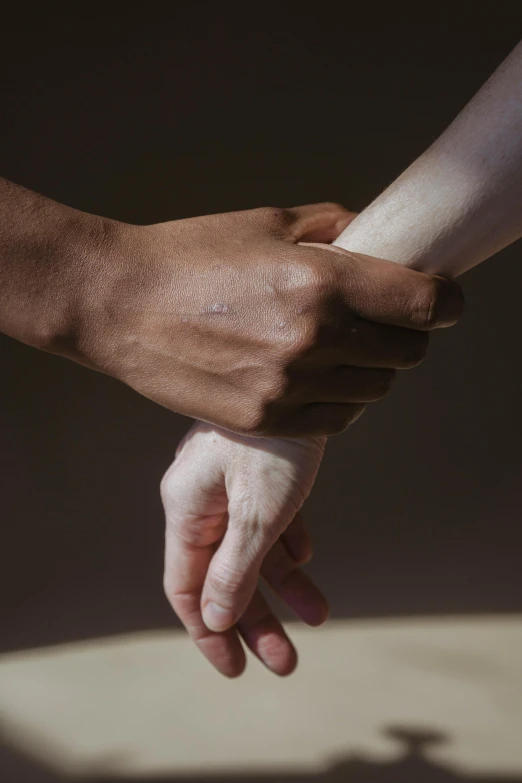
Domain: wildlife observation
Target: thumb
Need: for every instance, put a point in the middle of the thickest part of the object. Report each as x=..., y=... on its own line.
x=233, y=574
x=267, y=481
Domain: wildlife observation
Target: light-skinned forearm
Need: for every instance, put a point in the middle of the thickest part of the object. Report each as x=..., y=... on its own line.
x=461, y=201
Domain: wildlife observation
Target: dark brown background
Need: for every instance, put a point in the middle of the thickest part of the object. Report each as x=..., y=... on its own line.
x=417, y=510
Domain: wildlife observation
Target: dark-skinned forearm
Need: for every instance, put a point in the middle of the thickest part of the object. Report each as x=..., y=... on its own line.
x=46, y=251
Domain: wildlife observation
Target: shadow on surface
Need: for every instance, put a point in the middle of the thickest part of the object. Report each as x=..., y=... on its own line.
x=412, y=767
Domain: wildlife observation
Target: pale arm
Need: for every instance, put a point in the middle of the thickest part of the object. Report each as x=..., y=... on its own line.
x=461, y=201
x=454, y=207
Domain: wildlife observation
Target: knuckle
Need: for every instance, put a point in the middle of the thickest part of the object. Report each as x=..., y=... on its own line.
x=255, y=421
x=227, y=582
x=439, y=304
x=317, y=281
x=305, y=338
x=312, y=308
x=314, y=294
x=174, y=593
x=188, y=528
x=275, y=387
x=270, y=393
x=167, y=486
x=275, y=218
x=307, y=279
x=173, y=486
x=427, y=305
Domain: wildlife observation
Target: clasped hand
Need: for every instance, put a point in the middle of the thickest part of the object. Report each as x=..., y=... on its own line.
x=341, y=324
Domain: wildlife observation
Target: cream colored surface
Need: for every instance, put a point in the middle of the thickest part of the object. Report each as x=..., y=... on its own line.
x=147, y=704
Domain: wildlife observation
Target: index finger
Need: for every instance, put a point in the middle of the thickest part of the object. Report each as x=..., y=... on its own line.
x=390, y=293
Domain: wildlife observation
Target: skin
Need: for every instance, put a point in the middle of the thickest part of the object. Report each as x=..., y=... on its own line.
x=231, y=502
x=224, y=318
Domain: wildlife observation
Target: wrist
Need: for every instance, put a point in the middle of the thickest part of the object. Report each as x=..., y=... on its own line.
x=96, y=253
x=48, y=253
x=104, y=303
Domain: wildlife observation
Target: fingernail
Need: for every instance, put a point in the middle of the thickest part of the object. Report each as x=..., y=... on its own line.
x=216, y=618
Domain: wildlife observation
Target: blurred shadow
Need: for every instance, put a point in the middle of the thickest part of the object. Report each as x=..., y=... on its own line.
x=412, y=767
